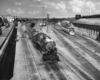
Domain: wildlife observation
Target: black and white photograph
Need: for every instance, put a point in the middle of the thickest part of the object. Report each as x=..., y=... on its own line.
x=49, y=39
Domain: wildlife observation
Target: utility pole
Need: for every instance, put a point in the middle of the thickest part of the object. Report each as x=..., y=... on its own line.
x=9, y=17
x=43, y=13
x=47, y=22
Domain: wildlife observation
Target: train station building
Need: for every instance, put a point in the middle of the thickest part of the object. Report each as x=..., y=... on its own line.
x=88, y=26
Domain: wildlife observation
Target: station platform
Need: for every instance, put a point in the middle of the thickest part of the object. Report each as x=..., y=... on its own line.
x=5, y=33
x=20, y=64
x=23, y=59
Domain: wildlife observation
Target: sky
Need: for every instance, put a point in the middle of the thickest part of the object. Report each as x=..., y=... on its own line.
x=55, y=8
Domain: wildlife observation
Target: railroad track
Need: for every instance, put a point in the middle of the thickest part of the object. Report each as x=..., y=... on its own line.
x=58, y=71
x=90, y=43
x=54, y=72
x=75, y=69
x=84, y=47
x=88, y=68
x=31, y=66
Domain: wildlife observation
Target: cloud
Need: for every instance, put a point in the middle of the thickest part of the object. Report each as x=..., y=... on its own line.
x=98, y=11
x=91, y=5
x=61, y=6
x=18, y=11
x=18, y=3
x=38, y=2
x=98, y=3
x=76, y=9
x=47, y=4
x=31, y=5
x=77, y=5
x=50, y=12
x=36, y=6
x=33, y=12
x=9, y=10
x=58, y=6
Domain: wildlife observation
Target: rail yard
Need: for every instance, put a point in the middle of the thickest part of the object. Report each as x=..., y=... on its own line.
x=20, y=59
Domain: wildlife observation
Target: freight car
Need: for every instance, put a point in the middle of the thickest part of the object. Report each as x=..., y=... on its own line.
x=46, y=46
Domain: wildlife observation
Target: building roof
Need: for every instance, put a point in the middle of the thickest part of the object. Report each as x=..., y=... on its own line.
x=89, y=21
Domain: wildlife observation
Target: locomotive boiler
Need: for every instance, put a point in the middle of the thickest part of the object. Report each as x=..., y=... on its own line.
x=46, y=46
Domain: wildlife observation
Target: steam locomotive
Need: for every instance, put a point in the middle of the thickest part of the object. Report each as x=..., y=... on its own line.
x=46, y=46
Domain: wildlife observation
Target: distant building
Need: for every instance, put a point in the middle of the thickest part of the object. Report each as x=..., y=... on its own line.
x=78, y=16
x=88, y=27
